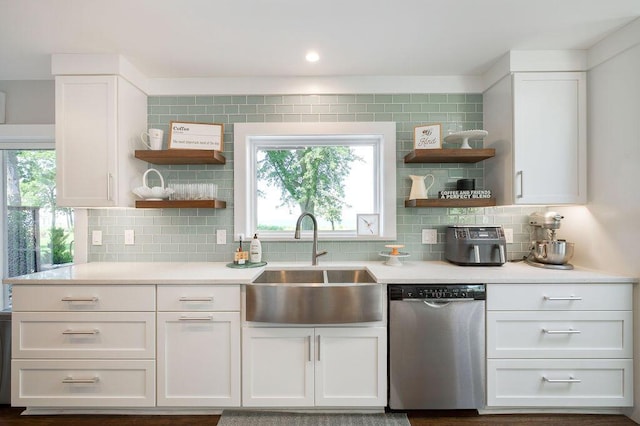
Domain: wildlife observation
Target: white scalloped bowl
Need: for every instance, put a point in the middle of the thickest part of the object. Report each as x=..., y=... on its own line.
x=155, y=193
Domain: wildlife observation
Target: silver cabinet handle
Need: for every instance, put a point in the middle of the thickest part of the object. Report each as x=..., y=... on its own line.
x=521, y=173
x=84, y=332
x=569, y=331
x=93, y=299
x=318, y=347
x=571, y=379
x=207, y=318
x=109, y=180
x=72, y=380
x=572, y=297
x=197, y=299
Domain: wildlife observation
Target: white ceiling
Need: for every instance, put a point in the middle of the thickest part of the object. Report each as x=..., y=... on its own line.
x=240, y=38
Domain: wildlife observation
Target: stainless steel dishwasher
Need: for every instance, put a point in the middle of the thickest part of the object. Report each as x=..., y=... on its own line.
x=436, y=346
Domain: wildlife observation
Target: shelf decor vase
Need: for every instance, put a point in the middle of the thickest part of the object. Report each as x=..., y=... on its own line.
x=419, y=189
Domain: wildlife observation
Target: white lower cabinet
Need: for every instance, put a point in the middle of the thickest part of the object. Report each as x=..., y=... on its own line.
x=199, y=359
x=76, y=346
x=322, y=366
x=556, y=346
x=83, y=383
x=560, y=383
x=198, y=346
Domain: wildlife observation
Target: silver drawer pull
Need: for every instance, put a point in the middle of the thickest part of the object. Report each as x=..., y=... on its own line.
x=569, y=331
x=75, y=381
x=569, y=380
x=84, y=332
x=197, y=299
x=207, y=318
x=80, y=299
x=563, y=298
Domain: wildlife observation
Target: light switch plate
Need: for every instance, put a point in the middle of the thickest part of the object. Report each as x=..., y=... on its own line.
x=429, y=236
x=508, y=235
x=129, y=237
x=221, y=236
x=96, y=238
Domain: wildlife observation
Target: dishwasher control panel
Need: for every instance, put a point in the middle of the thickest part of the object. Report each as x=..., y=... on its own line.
x=437, y=291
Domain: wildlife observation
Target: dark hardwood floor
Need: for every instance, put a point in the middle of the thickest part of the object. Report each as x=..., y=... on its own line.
x=11, y=417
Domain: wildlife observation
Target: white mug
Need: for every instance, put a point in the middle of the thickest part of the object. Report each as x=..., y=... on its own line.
x=155, y=139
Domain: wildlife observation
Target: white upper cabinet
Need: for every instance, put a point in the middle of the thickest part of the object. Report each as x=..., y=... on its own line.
x=537, y=125
x=99, y=120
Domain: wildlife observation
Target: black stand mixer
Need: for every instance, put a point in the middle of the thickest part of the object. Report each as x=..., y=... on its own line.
x=546, y=250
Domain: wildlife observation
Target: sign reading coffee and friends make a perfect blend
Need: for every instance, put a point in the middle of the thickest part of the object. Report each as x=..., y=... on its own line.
x=183, y=135
x=465, y=194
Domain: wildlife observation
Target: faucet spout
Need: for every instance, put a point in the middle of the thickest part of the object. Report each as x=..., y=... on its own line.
x=314, y=250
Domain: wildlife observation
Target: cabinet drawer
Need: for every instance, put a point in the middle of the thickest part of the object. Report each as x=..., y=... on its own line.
x=562, y=297
x=560, y=383
x=78, y=298
x=83, y=383
x=198, y=298
x=83, y=335
x=573, y=334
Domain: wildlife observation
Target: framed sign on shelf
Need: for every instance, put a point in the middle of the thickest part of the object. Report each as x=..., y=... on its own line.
x=427, y=137
x=186, y=135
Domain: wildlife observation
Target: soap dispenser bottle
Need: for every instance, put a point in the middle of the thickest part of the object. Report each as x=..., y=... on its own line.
x=255, y=250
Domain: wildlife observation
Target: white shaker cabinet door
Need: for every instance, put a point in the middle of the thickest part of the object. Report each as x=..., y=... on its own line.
x=99, y=120
x=549, y=115
x=537, y=125
x=277, y=367
x=86, y=131
x=351, y=367
x=198, y=359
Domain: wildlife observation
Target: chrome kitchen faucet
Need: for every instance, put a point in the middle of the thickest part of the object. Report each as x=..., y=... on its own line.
x=314, y=250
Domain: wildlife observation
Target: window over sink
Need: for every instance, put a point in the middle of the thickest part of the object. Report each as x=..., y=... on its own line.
x=337, y=171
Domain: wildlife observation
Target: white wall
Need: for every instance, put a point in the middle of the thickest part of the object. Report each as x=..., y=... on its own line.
x=607, y=230
x=29, y=101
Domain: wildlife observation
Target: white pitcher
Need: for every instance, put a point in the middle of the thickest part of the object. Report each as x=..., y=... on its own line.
x=418, y=187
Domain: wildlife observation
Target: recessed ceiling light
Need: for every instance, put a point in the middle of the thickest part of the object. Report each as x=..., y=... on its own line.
x=312, y=56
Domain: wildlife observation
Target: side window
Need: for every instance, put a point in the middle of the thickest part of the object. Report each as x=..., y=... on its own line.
x=336, y=171
x=38, y=234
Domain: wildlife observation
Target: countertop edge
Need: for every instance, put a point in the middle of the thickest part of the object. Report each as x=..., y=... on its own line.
x=216, y=273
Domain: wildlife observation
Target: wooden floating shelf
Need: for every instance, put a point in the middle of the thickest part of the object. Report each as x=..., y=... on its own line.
x=181, y=204
x=449, y=155
x=447, y=202
x=181, y=156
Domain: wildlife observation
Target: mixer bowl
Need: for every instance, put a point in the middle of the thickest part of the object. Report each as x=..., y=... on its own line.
x=555, y=252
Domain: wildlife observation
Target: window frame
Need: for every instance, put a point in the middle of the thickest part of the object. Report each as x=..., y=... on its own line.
x=248, y=137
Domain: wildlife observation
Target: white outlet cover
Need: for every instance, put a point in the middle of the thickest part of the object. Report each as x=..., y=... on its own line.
x=221, y=236
x=129, y=237
x=96, y=238
x=508, y=235
x=429, y=236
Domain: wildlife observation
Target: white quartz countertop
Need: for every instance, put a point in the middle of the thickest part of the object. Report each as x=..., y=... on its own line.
x=413, y=272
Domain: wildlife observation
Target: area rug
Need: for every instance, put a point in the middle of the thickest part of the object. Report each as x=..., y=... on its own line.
x=268, y=418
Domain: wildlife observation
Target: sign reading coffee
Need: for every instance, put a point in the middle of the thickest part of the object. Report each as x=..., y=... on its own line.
x=184, y=135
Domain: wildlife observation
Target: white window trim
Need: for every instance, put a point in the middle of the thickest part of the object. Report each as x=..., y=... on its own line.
x=247, y=135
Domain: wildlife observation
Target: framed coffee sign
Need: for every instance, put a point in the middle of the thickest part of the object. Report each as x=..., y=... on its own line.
x=185, y=135
x=427, y=137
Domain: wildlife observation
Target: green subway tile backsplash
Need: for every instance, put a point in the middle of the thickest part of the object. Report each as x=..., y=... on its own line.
x=190, y=234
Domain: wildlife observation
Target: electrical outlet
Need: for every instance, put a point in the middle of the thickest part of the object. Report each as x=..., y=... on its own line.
x=96, y=238
x=221, y=236
x=508, y=235
x=429, y=236
x=129, y=237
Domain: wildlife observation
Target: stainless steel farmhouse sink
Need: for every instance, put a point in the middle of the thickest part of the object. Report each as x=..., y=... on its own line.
x=314, y=297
